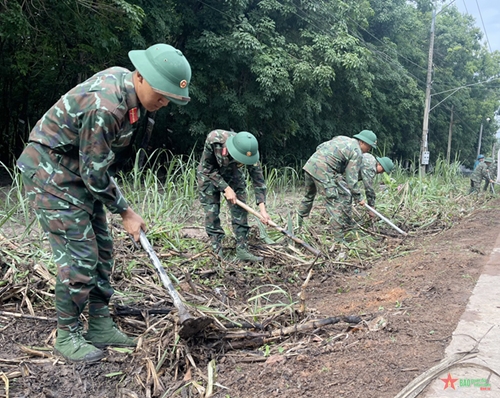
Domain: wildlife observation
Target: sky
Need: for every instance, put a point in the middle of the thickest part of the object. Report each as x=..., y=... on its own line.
x=489, y=10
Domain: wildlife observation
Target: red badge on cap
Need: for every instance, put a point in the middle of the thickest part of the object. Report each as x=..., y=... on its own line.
x=133, y=115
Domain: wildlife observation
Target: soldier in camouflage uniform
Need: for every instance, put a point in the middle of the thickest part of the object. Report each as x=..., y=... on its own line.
x=476, y=162
x=336, y=162
x=66, y=173
x=479, y=174
x=492, y=175
x=371, y=166
x=221, y=170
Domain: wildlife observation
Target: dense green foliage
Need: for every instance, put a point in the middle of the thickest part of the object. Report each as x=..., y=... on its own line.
x=294, y=73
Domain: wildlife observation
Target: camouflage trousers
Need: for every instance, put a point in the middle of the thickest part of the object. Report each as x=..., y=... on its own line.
x=83, y=252
x=210, y=198
x=338, y=203
x=488, y=187
x=475, y=186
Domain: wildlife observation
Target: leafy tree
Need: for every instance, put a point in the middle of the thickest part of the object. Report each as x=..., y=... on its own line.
x=47, y=47
x=293, y=72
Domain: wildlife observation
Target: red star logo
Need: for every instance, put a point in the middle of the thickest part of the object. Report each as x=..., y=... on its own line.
x=449, y=382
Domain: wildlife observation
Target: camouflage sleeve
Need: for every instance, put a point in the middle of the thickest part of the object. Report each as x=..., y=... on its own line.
x=210, y=167
x=368, y=176
x=259, y=185
x=96, y=136
x=475, y=176
x=485, y=173
x=352, y=173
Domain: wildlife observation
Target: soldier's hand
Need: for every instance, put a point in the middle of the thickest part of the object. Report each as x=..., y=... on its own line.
x=133, y=223
x=263, y=212
x=230, y=195
x=362, y=202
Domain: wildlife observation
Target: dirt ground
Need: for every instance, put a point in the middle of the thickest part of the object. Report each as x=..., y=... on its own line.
x=410, y=300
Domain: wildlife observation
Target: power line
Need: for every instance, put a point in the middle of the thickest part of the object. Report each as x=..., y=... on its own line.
x=446, y=6
x=464, y=124
x=374, y=52
x=484, y=27
x=231, y=17
x=465, y=5
x=468, y=85
x=309, y=21
x=384, y=44
x=381, y=55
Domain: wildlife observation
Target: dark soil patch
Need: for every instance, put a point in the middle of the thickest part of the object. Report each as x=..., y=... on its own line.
x=411, y=302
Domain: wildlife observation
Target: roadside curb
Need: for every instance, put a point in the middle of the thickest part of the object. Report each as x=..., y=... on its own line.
x=478, y=330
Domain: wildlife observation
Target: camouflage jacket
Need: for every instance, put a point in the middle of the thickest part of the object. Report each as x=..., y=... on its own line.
x=337, y=160
x=493, y=170
x=73, y=145
x=480, y=173
x=367, y=174
x=218, y=167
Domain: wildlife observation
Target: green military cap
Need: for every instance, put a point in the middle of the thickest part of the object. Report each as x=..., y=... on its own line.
x=386, y=164
x=166, y=70
x=243, y=147
x=367, y=136
x=488, y=160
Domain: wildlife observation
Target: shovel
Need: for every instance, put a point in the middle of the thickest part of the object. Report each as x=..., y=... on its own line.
x=314, y=251
x=190, y=325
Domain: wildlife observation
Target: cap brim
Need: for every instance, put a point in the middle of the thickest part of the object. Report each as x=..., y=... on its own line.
x=359, y=137
x=176, y=99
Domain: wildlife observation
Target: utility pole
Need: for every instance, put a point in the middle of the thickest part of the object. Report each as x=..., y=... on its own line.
x=448, y=152
x=424, y=149
x=480, y=138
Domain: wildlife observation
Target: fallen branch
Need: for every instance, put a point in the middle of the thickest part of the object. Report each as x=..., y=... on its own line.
x=243, y=325
x=415, y=387
x=44, y=273
x=311, y=325
x=17, y=315
x=122, y=310
x=193, y=258
x=187, y=275
x=9, y=243
x=256, y=338
x=5, y=380
x=302, y=295
x=33, y=352
x=294, y=258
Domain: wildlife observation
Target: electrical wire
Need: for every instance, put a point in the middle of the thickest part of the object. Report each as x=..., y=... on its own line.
x=384, y=57
x=465, y=5
x=385, y=45
x=484, y=27
x=374, y=52
x=311, y=22
x=446, y=6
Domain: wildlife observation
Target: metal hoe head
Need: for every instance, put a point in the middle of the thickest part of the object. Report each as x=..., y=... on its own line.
x=192, y=326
